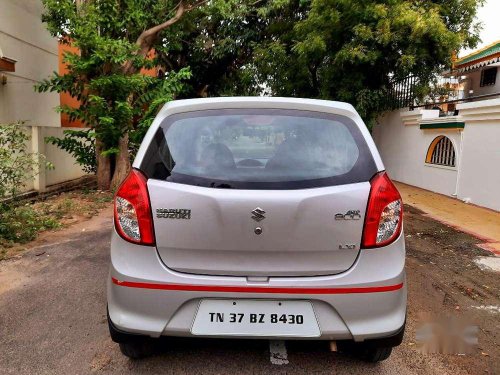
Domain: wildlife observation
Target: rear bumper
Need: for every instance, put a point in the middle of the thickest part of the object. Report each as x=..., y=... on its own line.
x=364, y=303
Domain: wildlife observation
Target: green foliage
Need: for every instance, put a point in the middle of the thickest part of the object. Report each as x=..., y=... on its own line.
x=105, y=73
x=350, y=50
x=17, y=164
x=159, y=93
x=216, y=42
x=22, y=221
x=329, y=49
x=206, y=48
x=21, y=224
x=79, y=144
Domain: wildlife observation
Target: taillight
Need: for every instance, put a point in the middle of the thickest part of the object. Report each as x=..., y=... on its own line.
x=384, y=214
x=133, y=219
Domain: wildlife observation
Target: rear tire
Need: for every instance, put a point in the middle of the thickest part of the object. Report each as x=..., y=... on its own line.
x=373, y=350
x=137, y=349
x=375, y=354
x=133, y=346
x=365, y=352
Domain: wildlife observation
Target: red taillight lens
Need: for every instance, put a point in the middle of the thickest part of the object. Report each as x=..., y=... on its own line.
x=384, y=214
x=133, y=219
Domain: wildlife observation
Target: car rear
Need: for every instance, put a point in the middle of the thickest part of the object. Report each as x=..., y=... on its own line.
x=258, y=218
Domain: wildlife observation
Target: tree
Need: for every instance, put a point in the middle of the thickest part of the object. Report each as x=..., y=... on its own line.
x=115, y=40
x=351, y=50
x=330, y=49
x=218, y=49
x=118, y=38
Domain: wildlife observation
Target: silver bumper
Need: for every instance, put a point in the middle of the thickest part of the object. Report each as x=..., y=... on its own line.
x=367, y=301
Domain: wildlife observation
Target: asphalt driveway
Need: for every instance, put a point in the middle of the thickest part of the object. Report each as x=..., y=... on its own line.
x=53, y=314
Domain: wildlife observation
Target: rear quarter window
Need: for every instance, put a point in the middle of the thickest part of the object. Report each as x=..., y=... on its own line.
x=258, y=149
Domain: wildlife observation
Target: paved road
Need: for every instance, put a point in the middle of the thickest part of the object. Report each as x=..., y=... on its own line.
x=52, y=319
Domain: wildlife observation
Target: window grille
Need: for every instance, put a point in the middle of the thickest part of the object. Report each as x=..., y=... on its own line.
x=443, y=152
x=488, y=77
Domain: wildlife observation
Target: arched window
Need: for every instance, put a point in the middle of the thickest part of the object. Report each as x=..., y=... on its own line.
x=441, y=152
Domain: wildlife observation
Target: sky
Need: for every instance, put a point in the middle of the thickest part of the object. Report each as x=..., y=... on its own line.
x=489, y=16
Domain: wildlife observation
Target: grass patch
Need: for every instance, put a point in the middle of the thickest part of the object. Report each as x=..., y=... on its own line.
x=21, y=223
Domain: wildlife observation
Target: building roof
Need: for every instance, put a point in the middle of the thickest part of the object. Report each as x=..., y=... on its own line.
x=487, y=55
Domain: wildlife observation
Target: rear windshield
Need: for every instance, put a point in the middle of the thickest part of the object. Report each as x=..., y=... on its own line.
x=259, y=149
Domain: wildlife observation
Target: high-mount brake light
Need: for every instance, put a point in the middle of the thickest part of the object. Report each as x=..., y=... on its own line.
x=384, y=214
x=132, y=212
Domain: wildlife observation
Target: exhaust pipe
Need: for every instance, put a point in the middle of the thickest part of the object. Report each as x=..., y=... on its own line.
x=333, y=346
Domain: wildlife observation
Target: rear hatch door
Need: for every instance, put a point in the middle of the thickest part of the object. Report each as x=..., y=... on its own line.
x=213, y=231
x=219, y=177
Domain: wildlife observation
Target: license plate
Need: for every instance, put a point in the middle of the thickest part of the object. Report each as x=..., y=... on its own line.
x=255, y=318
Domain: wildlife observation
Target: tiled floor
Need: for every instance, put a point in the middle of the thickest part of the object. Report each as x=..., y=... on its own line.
x=480, y=222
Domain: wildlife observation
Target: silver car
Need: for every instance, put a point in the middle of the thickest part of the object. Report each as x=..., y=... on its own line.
x=253, y=217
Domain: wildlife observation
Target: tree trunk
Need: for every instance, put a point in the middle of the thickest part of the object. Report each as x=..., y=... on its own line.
x=145, y=42
x=202, y=92
x=103, y=167
x=122, y=166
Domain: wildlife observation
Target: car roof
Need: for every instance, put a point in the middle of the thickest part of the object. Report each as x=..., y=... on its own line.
x=186, y=105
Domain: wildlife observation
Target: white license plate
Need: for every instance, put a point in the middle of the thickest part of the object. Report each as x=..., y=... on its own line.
x=255, y=318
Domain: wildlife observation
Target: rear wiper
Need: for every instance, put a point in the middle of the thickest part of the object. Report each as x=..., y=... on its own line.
x=221, y=186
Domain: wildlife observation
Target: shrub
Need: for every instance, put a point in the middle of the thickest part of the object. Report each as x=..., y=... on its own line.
x=21, y=224
x=17, y=165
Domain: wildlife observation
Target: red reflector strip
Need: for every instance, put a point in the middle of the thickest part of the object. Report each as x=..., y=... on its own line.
x=256, y=289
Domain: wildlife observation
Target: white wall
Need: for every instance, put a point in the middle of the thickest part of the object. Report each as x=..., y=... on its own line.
x=476, y=177
x=479, y=179
x=66, y=168
x=24, y=38
x=404, y=148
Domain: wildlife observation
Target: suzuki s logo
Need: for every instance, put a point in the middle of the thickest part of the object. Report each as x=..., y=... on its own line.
x=258, y=214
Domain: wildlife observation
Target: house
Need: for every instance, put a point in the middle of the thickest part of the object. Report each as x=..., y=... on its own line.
x=28, y=54
x=479, y=71
x=450, y=146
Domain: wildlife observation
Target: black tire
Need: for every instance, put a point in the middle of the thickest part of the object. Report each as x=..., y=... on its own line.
x=133, y=346
x=375, y=354
x=137, y=349
x=368, y=352
x=119, y=336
